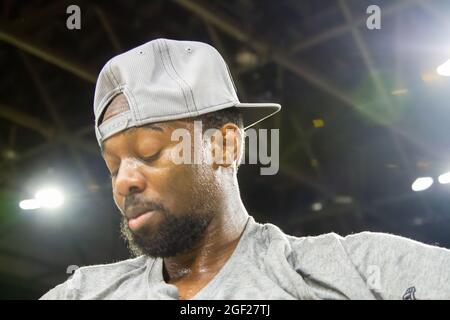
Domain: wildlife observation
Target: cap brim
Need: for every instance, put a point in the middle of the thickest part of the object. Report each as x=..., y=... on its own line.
x=254, y=113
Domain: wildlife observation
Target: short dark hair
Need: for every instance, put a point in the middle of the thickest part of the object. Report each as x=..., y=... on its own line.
x=217, y=119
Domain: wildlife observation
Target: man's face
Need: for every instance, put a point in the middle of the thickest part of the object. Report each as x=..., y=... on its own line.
x=166, y=207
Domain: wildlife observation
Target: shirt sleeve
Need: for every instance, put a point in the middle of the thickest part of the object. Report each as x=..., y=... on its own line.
x=395, y=267
x=67, y=290
x=57, y=293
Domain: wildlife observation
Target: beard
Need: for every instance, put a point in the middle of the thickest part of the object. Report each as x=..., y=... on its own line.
x=173, y=235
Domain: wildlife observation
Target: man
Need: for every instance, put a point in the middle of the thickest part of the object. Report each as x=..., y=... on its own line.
x=186, y=222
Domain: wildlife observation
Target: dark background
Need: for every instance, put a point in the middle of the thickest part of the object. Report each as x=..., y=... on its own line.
x=384, y=109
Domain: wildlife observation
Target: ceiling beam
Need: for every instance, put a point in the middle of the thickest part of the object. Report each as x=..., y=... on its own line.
x=27, y=121
x=57, y=118
x=263, y=48
x=35, y=16
x=364, y=51
x=45, y=129
x=340, y=30
x=108, y=28
x=21, y=42
x=334, y=32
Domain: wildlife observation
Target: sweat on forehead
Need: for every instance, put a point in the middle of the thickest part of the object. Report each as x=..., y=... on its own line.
x=118, y=105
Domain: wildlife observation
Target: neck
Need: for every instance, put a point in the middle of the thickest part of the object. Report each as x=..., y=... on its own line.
x=216, y=246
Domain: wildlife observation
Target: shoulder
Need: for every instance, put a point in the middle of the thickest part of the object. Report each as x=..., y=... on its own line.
x=276, y=236
x=364, y=249
x=388, y=246
x=120, y=267
x=96, y=277
x=295, y=248
x=323, y=248
x=368, y=240
x=365, y=241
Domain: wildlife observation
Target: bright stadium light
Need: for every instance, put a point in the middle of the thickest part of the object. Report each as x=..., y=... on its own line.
x=49, y=198
x=29, y=204
x=444, y=69
x=422, y=184
x=317, y=206
x=444, y=178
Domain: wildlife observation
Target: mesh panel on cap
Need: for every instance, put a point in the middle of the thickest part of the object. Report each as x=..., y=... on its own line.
x=118, y=105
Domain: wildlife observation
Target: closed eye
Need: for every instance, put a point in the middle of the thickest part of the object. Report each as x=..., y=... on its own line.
x=152, y=157
x=149, y=159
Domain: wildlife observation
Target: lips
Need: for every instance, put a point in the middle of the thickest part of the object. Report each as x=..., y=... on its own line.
x=135, y=212
x=137, y=223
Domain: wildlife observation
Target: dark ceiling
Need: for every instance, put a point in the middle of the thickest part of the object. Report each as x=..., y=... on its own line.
x=364, y=114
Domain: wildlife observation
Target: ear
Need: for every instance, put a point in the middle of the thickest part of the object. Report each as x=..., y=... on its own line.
x=226, y=145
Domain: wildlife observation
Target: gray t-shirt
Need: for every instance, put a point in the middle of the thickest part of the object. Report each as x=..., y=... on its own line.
x=268, y=264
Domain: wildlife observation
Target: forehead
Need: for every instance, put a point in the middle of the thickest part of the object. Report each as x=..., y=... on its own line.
x=159, y=130
x=132, y=136
x=153, y=133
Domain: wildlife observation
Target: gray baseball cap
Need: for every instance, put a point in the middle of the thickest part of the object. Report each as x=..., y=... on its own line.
x=165, y=80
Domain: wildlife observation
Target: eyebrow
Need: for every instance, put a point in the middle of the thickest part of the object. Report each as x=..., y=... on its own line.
x=152, y=126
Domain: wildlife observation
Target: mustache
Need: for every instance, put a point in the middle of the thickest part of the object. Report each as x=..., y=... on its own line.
x=135, y=204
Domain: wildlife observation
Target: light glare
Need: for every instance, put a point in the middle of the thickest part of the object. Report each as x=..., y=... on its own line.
x=444, y=69
x=444, y=178
x=29, y=204
x=49, y=198
x=422, y=184
x=317, y=206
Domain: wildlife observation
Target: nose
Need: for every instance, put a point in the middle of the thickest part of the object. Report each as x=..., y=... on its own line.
x=129, y=179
